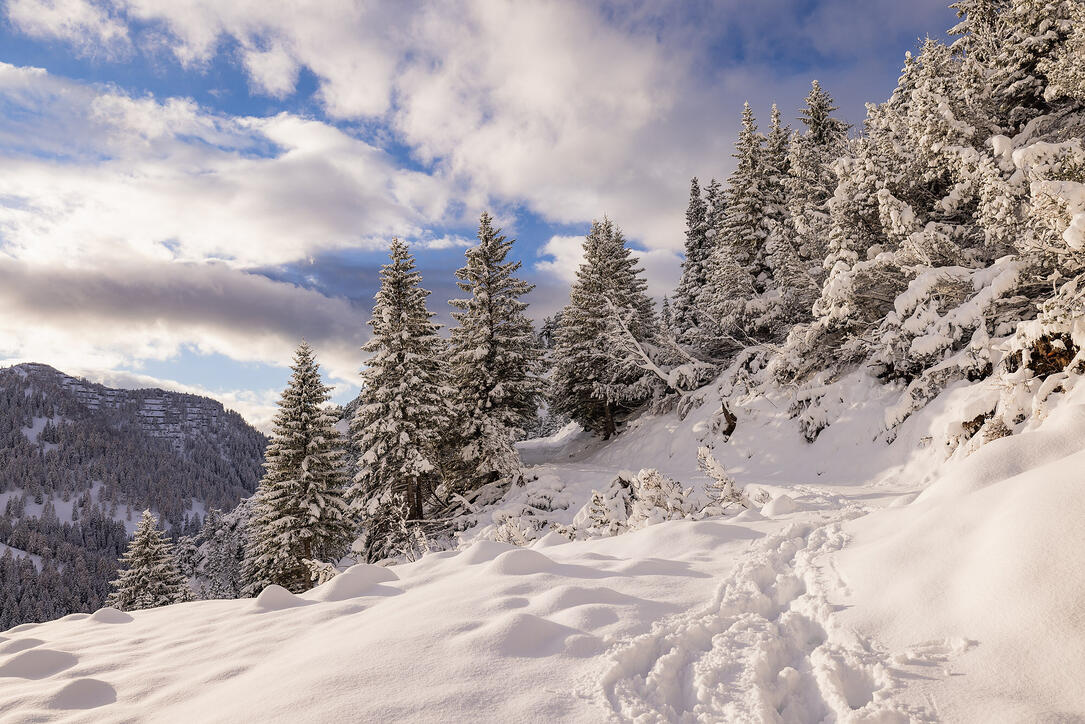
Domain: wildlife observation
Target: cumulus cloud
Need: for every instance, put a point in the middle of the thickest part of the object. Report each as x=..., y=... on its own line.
x=144, y=220
x=574, y=109
x=88, y=27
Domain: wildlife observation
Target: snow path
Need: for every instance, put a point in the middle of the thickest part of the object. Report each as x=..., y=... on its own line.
x=766, y=649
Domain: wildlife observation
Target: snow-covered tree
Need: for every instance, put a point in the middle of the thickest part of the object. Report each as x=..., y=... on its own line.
x=811, y=179
x=403, y=412
x=687, y=310
x=1020, y=42
x=222, y=541
x=745, y=223
x=494, y=363
x=150, y=576
x=299, y=511
x=791, y=290
x=591, y=384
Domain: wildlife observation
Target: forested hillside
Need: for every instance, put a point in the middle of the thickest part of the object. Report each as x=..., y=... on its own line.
x=80, y=461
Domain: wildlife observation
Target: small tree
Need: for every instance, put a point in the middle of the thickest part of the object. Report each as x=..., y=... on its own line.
x=722, y=491
x=151, y=576
x=657, y=498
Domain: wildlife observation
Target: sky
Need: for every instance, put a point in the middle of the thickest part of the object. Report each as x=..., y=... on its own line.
x=190, y=187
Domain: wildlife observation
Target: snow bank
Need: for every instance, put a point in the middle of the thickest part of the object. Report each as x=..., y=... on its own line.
x=492, y=633
x=980, y=575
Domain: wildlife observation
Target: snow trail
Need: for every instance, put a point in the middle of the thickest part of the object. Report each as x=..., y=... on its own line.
x=766, y=649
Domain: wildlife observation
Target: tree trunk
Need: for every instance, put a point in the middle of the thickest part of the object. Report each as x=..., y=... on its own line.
x=609, y=428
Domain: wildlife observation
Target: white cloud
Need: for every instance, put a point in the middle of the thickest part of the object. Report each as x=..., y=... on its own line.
x=444, y=242
x=566, y=254
x=100, y=173
x=88, y=27
x=572, y=109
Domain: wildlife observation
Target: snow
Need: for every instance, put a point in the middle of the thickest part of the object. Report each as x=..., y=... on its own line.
x=19, y=553
x=780, y=505
x=879, y=583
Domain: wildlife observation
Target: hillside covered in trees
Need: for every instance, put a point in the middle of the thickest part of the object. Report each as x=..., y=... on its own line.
x=80, y=461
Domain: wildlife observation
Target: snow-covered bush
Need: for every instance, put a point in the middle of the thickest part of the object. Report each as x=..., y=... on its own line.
x=657, y=498
x=631, y=502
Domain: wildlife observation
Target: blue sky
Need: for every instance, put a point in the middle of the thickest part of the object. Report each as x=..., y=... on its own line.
x=188, y=188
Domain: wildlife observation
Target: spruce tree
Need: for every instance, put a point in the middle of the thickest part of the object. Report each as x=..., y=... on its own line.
x=403, y=412
x=739, y=268
x=686, y=310
x=745, y=228
x=150, y=575
x=494, y=363
x=793, y=290
x=591, y=381
x=666, y=316
x=299, y=513
x=811, y=179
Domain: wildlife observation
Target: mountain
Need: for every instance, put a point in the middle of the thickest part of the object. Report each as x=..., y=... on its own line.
x=79, y=460
x=176, y=453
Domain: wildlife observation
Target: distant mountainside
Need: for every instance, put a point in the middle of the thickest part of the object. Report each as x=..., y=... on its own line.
x=176, y=453
x=79, y=461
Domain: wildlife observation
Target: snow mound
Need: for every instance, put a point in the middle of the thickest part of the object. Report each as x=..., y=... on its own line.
x=84, y=694
x=110, y=615
x=37, y=664
x=277, y=598
x=780, y=505
x=521, y=562
x=356, y=581
x=16, y=645
x=484, y=551
x=523, y=635
x=984, y=556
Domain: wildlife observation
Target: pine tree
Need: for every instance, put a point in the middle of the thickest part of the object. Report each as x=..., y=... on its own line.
x=299, y=513
x=739, y=269
x=591, y=382
x=494, y=363
x=666, y=316
x=745, y=228
x=150, y=577
x=399, y=424
x=811, y=179
x=687, y=312
x=793, y=289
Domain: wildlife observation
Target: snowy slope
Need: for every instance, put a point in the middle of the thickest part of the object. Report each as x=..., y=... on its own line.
x=889, y=585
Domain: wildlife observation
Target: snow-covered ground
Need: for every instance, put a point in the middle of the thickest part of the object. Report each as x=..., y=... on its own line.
x=888, y=585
